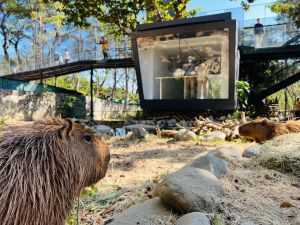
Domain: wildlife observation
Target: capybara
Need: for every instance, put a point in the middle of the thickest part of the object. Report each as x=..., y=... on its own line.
x=43, y=168
x=261, y=130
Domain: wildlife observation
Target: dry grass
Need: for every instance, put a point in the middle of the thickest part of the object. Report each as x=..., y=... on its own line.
x=281, y=153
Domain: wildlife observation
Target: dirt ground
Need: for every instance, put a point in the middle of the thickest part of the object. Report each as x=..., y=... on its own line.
x=253, y=194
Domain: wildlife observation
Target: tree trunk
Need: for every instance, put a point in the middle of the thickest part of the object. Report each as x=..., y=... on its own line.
x=78, y=83
x=113, y=91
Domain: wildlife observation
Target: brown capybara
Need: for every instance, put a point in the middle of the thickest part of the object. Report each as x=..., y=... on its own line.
x=261, y=130
x=43, y=168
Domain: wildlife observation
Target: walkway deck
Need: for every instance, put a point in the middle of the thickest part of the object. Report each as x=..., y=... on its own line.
x=70, y=68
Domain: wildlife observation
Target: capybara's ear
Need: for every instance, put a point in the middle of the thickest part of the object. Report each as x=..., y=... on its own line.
x=66, y=129
x=264, y=121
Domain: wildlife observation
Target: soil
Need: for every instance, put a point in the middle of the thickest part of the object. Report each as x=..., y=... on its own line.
x=254, y=194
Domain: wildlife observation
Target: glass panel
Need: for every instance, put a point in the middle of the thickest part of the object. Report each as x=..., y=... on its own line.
x=190, y=65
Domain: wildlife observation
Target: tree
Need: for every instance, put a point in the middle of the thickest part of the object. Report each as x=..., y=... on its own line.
x=123, y=15
x=291, y=8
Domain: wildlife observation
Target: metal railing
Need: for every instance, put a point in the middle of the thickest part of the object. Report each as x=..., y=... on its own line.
x=274, y=36
x=81, y=46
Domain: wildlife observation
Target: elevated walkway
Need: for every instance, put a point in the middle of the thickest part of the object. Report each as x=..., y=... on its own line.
x=69, y=68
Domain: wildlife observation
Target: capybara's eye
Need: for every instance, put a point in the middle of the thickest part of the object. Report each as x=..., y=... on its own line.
x=88, y=138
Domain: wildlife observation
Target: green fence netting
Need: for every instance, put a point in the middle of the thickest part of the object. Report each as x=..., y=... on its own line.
x=28, y=86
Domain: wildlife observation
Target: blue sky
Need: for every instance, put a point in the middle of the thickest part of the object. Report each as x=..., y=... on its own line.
x=257, y=10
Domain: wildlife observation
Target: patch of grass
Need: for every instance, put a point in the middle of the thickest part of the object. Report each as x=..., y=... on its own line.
x=2, y=122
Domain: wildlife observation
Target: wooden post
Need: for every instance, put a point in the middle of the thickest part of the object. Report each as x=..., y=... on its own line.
x=92, y=93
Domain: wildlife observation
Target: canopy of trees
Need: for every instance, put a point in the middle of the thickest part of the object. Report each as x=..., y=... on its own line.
x=123, y=15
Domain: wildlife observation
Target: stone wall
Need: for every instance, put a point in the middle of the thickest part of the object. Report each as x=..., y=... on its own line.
x=20, y=105
x=105, y=110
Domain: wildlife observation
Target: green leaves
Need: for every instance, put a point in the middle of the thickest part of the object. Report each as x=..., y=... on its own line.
x=123, y=15
x=243, y=91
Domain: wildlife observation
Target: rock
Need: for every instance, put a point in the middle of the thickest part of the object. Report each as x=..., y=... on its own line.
x=215, y=136
x=222, y=118
x=195, y=218
x=185, y=135
x=148, y=212
x=252, y=150
x=228, y=153
x=139, y=133
x=190, y=190
x=149, y=128
x=104, y=131
x=210, y=163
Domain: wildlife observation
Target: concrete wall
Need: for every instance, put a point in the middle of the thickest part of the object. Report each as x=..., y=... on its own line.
x=19, y=105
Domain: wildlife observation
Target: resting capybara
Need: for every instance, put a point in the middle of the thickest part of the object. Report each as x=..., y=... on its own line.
x=261, y=130
x=43, y=167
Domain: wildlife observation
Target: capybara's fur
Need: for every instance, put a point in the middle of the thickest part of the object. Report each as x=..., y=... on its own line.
x=43, y=168
x=261, y=130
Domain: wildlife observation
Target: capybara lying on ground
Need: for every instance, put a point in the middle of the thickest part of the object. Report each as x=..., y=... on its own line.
x=261, y=130
x=43, y=168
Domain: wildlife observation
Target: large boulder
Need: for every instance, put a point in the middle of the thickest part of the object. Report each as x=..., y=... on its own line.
x=229, y=153
x=195, y=218
x=215, y=136
x=185, y=135
x=190, y=190
x=210, y=163
x=145, y=213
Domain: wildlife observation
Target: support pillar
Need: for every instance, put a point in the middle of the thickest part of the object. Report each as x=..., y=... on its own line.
x=92, y=95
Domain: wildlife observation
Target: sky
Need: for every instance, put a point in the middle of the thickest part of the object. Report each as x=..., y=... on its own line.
x=257, y=10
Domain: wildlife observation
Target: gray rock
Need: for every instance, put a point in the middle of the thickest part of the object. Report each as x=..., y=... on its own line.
x=252, y=150
x=190, y=190
x=228, y=153
x=210, y=163
x=195, y=218
x=148, y=212
x=139, y=133
x=185, y=135
x=147, y=127
x=215, y=136
x=104, y=128
x=104, y=131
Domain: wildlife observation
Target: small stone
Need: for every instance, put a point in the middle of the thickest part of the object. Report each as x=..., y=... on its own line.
x=195, y=218
x=252, y=150
x=185, y=135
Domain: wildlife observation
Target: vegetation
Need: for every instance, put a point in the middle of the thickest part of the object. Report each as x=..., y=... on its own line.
x=243, y=91
x=124, y=16
x=68, y=104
